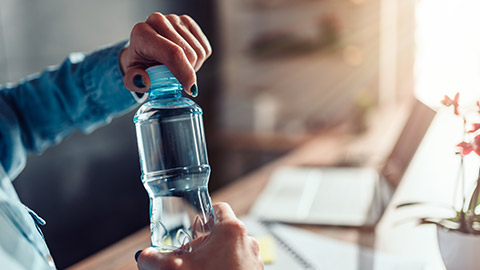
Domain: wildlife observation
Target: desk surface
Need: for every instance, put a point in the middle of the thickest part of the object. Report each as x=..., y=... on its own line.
x=325, y=149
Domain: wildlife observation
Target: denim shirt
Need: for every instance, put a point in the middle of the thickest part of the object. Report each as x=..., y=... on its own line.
x=82, y=93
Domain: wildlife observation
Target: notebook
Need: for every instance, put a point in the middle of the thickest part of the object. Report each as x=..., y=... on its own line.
x=295, y=248
x=345, y=196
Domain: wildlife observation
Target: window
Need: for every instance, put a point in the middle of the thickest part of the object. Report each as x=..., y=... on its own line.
x=448, y=50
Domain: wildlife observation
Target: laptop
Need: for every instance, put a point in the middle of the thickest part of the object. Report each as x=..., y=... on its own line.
x=342, y=196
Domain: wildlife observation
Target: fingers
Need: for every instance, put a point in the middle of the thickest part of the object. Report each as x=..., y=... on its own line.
x=223, y=212
x=148, y=48
x=164, y=27
x=136, y=79
x=227, y=222
x=182, y=29
x=151, y=258
x=195, y=243
x=255, y=245
x=175, y=41
x=198, y=33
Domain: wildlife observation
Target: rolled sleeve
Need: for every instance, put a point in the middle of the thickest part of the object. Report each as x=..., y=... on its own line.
x=105, y=89
x=83, y=93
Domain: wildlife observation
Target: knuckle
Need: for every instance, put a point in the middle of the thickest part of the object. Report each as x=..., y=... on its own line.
x=202, y=54
x=220, y=206
x=175, y=52
x=208, y=52
x=173, y=18
x=139, y=27
x=155, y=15
x=186, y=19
x=192, y=55
x=235, y=227
x=157, y=18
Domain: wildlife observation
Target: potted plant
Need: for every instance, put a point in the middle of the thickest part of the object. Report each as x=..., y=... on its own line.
x=459, y=234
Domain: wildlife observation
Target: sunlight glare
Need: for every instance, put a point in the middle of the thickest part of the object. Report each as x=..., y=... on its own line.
x=448, y=50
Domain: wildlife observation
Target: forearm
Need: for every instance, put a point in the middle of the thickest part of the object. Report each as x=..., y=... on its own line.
x=84, y=92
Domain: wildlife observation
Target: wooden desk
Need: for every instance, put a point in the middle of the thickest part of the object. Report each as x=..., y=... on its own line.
x=328, y=148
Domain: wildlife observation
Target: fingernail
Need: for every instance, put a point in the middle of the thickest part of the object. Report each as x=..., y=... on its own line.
x=137, y=254
x=138, y=81
x=194, y=90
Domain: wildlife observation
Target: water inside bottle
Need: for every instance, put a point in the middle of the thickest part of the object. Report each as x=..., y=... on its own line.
x=170, y=138
x=178, y=217
x=175, y=174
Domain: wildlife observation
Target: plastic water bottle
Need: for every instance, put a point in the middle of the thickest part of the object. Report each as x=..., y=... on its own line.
x=174, y=163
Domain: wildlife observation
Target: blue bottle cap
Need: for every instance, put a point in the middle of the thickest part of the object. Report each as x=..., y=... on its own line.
x=162, y=79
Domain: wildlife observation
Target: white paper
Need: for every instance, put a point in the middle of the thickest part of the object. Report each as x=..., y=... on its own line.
x=325, y=253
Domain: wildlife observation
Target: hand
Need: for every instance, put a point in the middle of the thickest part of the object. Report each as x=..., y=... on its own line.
x=175, y=41
x=227, y=247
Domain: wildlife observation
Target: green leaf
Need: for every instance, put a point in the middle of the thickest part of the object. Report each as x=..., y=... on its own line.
x=475, y=198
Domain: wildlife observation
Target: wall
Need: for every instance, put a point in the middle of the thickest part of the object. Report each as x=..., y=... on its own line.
x=292, y=69
x=309, y=61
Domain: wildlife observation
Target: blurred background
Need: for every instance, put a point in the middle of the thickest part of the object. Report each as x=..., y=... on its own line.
x=282, y=71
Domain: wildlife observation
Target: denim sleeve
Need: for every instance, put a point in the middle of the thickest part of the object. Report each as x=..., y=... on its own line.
x=82, y=93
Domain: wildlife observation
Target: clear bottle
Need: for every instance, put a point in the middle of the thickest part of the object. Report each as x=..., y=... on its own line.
x=174, y=163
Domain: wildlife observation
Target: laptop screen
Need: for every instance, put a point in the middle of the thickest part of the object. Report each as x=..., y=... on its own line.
x=420, y=118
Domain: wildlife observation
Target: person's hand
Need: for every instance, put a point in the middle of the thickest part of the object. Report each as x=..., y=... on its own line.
x=227, y=247
x=175, y=41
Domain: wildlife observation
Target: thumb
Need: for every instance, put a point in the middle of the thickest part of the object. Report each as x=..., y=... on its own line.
x=136, y=79
x=151, y=258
